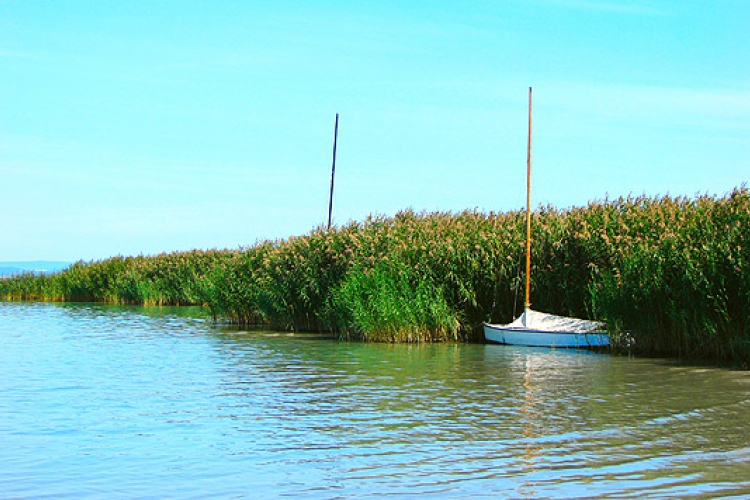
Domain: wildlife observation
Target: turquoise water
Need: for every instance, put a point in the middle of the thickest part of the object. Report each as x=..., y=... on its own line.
x=111, y=402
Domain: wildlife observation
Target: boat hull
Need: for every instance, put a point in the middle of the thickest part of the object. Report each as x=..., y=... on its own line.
x=502, y=334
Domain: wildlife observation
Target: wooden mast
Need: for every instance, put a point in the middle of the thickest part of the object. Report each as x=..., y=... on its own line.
x=527, y=303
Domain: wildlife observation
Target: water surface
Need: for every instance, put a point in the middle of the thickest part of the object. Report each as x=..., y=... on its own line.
x=112, y=402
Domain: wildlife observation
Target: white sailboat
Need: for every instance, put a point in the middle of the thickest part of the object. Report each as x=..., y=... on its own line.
x=534, y=328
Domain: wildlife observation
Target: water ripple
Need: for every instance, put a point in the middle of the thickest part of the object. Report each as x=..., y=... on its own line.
x=102, y=402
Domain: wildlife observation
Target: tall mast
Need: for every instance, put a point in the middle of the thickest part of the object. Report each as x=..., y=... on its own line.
x=527, y=304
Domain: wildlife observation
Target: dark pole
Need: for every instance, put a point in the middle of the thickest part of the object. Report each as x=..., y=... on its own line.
x=333, y=170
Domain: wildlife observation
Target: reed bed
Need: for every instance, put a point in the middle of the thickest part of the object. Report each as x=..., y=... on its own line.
x=669, y=274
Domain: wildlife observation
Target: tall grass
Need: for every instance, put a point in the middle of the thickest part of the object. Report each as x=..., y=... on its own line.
x=166, y=279
x=673, y=272
x=393, y=302
x=681, y=278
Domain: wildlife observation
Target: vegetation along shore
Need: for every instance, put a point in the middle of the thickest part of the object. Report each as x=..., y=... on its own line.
x=672, y=272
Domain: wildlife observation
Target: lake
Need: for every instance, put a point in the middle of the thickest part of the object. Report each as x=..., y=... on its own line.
x=125, y=402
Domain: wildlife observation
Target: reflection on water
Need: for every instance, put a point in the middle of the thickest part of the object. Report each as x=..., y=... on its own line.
x=102, y=401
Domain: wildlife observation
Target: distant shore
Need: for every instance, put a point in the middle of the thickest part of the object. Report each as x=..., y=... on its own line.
x=11, y=268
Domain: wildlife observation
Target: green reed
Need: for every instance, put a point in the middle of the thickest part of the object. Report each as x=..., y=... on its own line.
x=669, y=273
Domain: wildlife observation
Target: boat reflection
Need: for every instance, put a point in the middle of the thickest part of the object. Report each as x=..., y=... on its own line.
x=530, y=419
x=547, y=385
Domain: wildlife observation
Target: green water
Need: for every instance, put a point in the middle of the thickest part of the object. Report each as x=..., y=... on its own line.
x=110, y=402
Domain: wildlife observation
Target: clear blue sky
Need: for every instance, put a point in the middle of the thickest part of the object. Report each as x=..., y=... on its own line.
x=139, y=127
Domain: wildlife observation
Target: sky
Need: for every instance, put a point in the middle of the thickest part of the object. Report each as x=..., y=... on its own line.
x=141, y=127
